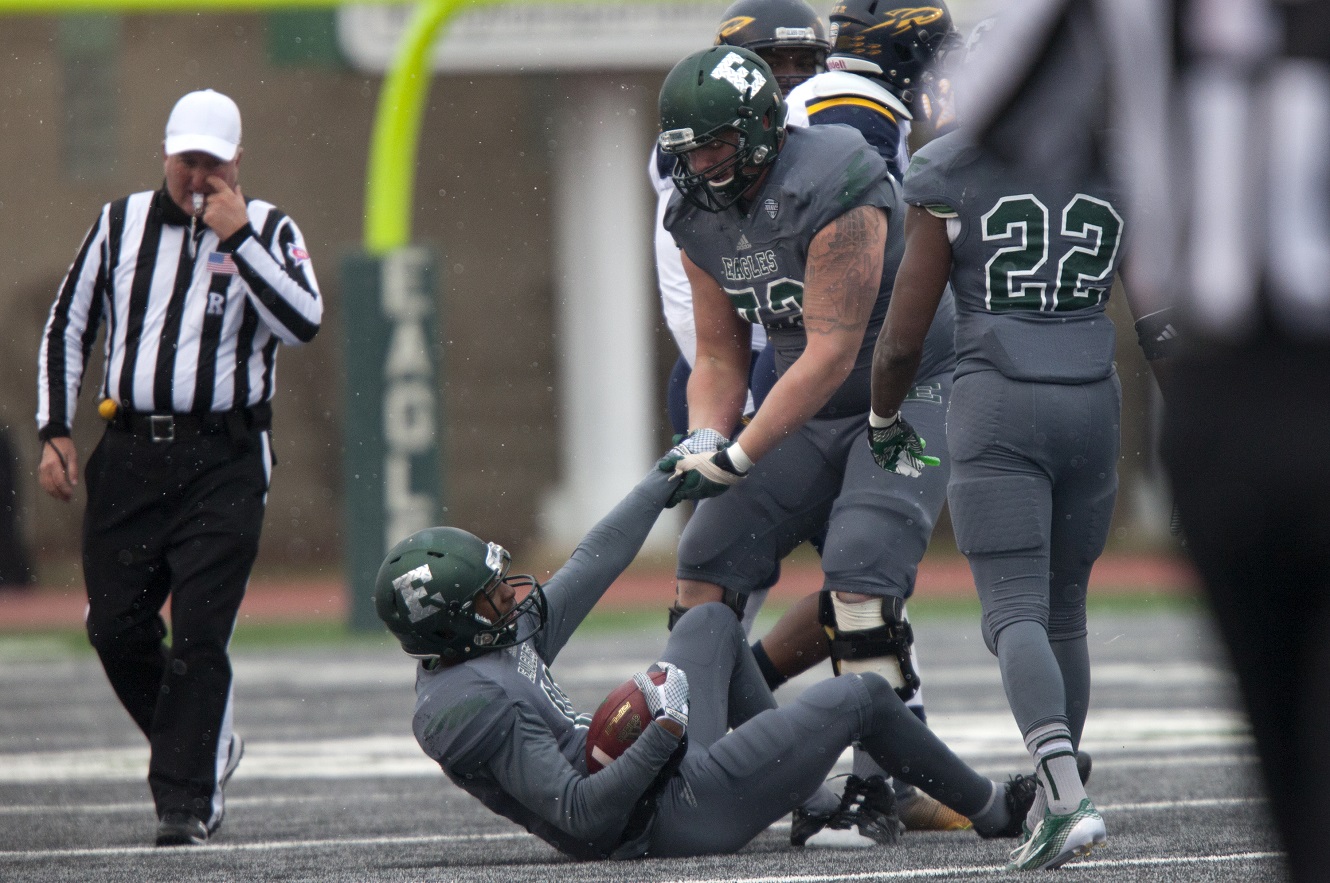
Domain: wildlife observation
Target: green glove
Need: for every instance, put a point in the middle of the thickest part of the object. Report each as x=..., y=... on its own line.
x=898, y=448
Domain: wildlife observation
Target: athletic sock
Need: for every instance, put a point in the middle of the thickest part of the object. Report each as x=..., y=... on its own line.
x=1055, y=764
x=1037, y=809
x=770, y=673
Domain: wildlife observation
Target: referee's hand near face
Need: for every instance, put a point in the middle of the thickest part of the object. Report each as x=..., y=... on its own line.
x=224, y=208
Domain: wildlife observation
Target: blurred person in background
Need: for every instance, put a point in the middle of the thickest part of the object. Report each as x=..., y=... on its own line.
x=15, y=562
x=197, y=285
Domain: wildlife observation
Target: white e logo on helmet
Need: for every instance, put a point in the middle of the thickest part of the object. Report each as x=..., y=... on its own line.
x=411, y=586
x=731, y=69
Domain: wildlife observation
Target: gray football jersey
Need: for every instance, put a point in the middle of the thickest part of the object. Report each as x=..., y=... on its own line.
x=1034, y=255
x=759, y=258
x=504, y=731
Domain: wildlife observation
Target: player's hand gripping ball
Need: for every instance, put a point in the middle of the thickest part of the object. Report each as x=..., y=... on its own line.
x=618, y=722
x=660, y=692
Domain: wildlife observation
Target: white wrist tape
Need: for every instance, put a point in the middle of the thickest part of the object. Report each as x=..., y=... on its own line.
x=882, y=422
x=740, y=459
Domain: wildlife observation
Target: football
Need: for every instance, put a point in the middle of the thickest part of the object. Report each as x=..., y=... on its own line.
x=617, y=723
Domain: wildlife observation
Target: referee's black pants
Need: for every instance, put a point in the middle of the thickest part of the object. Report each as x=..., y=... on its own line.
x=1245, y=440
x=177, y=519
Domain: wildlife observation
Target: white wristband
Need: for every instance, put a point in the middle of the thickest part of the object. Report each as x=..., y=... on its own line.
x=882, y=422
x=740, y=460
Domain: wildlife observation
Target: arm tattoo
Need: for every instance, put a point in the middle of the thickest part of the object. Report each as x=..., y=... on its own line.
x=845, y=263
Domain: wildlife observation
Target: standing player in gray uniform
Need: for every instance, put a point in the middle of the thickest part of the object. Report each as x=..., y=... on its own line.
x=489, y=711
x=797, y=231
x=792, y=40
x=1033, y=428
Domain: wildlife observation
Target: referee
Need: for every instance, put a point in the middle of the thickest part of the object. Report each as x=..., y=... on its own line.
x=197, y=285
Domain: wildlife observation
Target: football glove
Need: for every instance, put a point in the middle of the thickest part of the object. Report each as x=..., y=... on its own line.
x=700, y=461
x=898, y=448
x=697, y=441
x=669, y=699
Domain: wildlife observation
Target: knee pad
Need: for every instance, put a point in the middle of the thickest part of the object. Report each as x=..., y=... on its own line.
x=736, y=601
x=873, y=636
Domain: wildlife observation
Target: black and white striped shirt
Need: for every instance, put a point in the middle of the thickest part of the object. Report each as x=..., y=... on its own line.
x=193, y=324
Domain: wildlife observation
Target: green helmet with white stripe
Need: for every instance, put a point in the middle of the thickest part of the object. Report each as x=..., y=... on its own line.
x=427, y=588
x=724, y=92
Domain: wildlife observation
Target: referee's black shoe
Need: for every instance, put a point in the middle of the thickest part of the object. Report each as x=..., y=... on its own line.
x=181, y=829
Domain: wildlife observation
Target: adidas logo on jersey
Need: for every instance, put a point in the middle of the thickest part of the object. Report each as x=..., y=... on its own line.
x=743, y=244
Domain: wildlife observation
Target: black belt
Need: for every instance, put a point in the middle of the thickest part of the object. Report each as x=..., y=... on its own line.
x=182, y=427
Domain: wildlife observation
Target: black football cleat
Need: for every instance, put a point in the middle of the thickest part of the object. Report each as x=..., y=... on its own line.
x=804, y=824
x=873, y=809
x=867, y=804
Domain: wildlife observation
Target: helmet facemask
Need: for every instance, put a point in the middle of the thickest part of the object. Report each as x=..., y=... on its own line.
x=810, y=62
x=504, y=632
x=722, y=184
x=774, y=27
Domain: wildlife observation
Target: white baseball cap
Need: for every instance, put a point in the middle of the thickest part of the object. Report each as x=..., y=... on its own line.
x=206, y=121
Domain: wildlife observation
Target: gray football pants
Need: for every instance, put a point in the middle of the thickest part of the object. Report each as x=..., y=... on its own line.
x=1033, y=482
x=823, y=476
x=733, y=785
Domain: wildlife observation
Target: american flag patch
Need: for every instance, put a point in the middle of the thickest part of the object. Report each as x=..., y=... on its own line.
x=219, y=262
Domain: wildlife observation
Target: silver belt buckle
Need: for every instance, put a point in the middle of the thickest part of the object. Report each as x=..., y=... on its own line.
x=162, y=427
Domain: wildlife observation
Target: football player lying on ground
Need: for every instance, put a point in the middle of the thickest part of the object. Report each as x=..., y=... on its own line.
x=489, y=711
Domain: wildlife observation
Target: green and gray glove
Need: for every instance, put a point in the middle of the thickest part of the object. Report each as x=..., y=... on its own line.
x=898, y=448
x=700, y=460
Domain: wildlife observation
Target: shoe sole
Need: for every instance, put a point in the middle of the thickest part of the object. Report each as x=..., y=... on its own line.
x=179, y=840
x=839, y=838
x=1083, y=839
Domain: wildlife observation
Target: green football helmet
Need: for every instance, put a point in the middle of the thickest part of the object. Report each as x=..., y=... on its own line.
x=722, y=92
x=426, y=594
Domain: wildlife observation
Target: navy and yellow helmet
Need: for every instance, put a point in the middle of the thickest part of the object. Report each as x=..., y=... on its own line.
x=769, y=25
x=891, y=40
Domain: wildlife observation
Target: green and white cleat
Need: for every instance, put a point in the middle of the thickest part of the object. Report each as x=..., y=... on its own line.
x=1058, y=839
